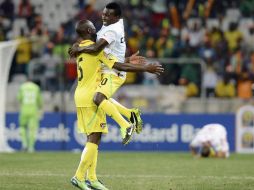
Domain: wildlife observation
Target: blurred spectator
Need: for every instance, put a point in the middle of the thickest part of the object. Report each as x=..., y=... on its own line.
x=225, y=88
x=236, y=62
x=51, y=63
x=210, y=79
x=150, y=79
x=233, y=36
x=25, y=9
x=189, y=71
x=23, y=53
x=195, y=35
x=39, y=37
x=89, y=13
x=247, y=7
x=244, y=85
x=250, y=65
x=249, y=37
x=190, y=87
x=206, y=51
x=7, y=9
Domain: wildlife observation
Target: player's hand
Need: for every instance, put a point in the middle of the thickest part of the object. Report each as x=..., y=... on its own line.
x=73, y=51
x=155, y=68
x=136, y=59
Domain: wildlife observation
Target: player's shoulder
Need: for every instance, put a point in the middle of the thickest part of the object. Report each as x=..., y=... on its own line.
x=114, y=27
x=86, y=43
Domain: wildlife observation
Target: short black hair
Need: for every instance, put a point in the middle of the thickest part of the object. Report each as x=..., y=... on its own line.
x=81, y=27
x=116, y=7
x=205, y=151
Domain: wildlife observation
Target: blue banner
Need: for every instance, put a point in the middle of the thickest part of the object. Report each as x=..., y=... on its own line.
x=161, y=132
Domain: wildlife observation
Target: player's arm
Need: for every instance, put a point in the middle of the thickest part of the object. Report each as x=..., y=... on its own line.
x=220, y=154
x=94, y=48
x=111, y=62
x=194, y=151
x=97, y=47
x=154, y=68
x=135, y=59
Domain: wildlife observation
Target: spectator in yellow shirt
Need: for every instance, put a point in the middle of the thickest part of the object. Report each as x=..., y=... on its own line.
x=225, y=88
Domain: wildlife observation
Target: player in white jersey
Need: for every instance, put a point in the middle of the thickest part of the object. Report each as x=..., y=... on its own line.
x=111, y=39
x=211, y=141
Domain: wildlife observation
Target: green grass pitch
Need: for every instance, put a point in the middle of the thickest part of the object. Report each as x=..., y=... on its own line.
x=128, y=171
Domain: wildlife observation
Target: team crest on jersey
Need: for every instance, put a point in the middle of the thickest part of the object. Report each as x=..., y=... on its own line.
x=103, y=125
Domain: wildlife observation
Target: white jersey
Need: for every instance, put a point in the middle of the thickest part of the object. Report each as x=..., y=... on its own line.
x=114, y=35
x=216, y=134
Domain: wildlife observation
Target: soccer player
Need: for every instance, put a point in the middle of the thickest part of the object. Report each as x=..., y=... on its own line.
x=91, y=119
x=210, y=141
x=29, y=97
x=111, y=39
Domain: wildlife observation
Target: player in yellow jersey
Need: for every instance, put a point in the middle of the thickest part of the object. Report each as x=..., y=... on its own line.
x=92, y=119
x=111, y=39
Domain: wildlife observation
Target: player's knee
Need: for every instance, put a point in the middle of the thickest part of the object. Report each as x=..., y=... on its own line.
x=98, y=98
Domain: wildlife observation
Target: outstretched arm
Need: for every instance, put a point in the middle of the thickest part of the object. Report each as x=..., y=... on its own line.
x=154, y=68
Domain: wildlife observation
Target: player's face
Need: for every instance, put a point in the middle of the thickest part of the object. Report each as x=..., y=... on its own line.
x=108, y=17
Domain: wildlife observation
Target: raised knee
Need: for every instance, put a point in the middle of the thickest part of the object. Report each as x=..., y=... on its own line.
x=98, y=98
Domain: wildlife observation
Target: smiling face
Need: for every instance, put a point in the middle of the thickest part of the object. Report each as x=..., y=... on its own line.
x=109, y=17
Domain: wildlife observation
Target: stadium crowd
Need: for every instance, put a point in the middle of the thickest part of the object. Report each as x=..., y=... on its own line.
x=219, y=32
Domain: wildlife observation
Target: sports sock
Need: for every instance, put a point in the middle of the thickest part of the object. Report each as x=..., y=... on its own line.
x=110, y=109
x=92, y=170
x=32, y=126
x=123, y=110
x=86, y=160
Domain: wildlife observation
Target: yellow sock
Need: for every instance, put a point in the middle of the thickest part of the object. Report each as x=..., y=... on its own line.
x=123, y=110
x=86, y=160
x=110, y=109
x=92, y=170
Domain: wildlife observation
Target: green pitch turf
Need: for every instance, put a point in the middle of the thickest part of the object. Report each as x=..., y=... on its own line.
x=128, y=171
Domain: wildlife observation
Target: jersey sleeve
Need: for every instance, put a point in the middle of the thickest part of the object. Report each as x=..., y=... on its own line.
x=109, y=36
x=107, y=59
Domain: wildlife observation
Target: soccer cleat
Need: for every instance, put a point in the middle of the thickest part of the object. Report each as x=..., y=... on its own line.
x=136, y=120
x=128, y=134
x=79, y=184
x=96, y=185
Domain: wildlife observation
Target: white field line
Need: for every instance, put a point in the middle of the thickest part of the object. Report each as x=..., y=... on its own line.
x=7, y=173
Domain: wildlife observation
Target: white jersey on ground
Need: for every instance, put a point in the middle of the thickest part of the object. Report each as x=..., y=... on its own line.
x=114, y=35
x=216, y=134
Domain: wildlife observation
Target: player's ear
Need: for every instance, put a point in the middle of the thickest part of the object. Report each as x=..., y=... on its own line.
x=89, y=30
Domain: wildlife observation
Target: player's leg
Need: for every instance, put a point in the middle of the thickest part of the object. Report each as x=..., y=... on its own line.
x=134, y=114
x=92, y=180
x=127, y=129
x=86, y=160
x=33, y=125
x=91, y=121
x=110, y=83
x=23, y=132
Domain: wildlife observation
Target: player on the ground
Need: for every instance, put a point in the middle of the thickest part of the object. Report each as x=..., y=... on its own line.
x=29, y=97
x=111, y=38
x=210, y=141
x=91, y=119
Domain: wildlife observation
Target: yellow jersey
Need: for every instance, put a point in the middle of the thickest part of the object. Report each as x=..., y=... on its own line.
x=89, y=75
